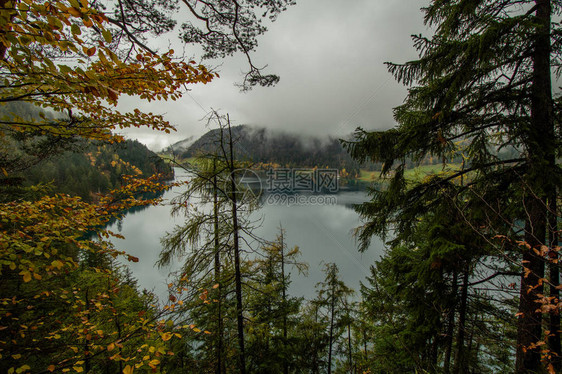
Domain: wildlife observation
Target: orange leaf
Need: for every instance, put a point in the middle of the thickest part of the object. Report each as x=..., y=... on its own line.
x=74, y=12
x=113, y=95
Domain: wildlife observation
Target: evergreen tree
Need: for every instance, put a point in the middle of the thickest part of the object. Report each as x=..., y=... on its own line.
x=484, y=78
x=203, y=242
x=332, y=297
x=274, y=315
x=312, y=339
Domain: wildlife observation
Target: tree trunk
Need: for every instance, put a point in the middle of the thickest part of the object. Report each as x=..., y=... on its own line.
x=460, y=357
x=221, y=368
x=350, y=356
x=284, y=295
x=315, y=363
x=450, y=326
x=540, y=147
x=237, y=272
x=554, y=322
x=331, y=337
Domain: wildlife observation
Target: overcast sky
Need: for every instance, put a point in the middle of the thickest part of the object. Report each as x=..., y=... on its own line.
x=330, y=56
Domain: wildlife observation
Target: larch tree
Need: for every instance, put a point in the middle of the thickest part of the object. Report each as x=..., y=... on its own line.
x=218, y=234
x=483, y=79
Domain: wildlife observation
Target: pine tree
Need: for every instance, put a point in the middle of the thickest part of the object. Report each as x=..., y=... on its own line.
x=274, y=314
x=483, y=78
x=332, y=297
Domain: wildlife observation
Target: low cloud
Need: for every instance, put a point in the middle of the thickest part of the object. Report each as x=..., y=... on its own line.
x=330, y=56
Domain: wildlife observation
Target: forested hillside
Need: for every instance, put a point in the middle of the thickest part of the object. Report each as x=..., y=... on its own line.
x=78, y=167
x=97, y=168
x=262, y=146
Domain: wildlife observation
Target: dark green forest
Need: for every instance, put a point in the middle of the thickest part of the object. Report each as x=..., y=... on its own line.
x=96, y=168
x=261, y=146
x=78, y=167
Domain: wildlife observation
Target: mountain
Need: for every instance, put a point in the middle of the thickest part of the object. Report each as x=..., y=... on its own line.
x=260, y=145
x=180, y=147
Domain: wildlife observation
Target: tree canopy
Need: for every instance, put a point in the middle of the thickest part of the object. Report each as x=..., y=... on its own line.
x=482, y=84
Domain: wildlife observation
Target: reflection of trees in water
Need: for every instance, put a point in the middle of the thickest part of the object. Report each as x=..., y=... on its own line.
x=135, y=209
x=130, y=211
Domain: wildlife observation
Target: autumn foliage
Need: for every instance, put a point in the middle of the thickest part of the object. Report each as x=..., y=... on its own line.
x=65, y=304
x=36, y=38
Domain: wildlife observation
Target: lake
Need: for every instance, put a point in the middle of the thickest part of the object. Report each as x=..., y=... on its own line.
x=322, y=231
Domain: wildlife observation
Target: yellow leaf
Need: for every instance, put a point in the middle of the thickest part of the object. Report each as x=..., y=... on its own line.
x=78, y=369
x=166, y=336
x=26, y=275
x=110, y=347
x=153, y=363
x=128, y=369
x=16, y=357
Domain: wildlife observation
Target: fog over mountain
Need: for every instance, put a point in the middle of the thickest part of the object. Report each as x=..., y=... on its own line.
x=262, y=145
x=330, y=56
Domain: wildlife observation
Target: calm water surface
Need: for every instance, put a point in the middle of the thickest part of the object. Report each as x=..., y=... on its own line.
x=322, y=232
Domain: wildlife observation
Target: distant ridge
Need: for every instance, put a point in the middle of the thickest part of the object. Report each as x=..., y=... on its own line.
x=261, y=145
x=181, y=146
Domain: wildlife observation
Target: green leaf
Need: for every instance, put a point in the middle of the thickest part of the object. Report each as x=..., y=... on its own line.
x=107, y=35
x=75, y=29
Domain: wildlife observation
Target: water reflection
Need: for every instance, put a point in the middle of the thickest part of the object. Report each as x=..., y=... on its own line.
x=322, y=232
